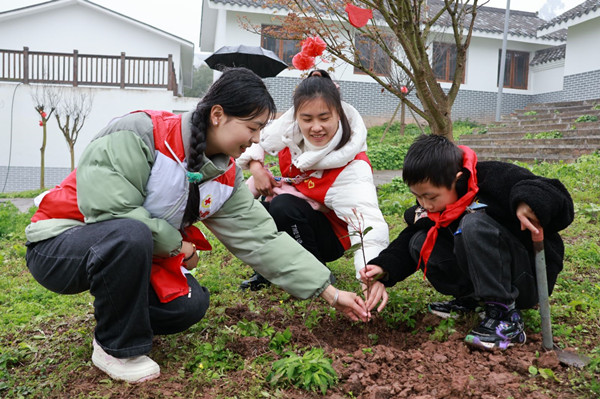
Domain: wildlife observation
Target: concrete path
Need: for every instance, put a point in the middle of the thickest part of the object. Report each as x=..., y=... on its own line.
x=385, y=176
x=22, y=203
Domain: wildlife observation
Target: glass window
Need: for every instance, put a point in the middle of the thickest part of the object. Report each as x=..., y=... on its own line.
x=285, y=49
x=516, y=69
x=444, y=62
x=371, y=56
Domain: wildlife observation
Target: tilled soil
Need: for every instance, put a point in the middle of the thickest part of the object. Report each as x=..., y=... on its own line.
x=372, y=361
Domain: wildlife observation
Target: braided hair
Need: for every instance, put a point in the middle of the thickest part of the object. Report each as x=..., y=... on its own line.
x=242, y=94
x=323, y=87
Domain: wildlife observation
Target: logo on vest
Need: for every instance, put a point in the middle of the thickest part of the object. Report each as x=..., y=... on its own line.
x=310, y=184
x=206, y=201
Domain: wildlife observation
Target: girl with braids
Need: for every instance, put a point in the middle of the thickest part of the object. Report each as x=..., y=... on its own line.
x=121, y=225
x=326, y=179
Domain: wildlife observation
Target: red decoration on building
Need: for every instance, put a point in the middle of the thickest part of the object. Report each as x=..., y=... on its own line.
x=302, y=61
x=358, y=16
x=313, y=46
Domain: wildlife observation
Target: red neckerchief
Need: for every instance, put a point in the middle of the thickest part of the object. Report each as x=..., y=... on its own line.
x=452, y=211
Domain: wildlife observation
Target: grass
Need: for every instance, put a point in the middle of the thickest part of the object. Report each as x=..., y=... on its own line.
x=45, y=338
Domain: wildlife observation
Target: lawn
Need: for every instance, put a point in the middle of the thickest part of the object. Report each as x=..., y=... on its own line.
x=267, y=344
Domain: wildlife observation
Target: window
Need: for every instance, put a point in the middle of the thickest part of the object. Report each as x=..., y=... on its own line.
x=285, y=49
x=516, y=69
x=371, y=56
x=444, y=62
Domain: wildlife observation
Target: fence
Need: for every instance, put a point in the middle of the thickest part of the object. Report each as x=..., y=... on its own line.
x=87, y=69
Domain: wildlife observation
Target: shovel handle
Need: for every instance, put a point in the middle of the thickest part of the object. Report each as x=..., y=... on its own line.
x=542, y=286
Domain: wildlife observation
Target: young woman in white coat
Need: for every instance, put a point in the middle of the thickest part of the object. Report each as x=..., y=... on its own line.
x=326, y=177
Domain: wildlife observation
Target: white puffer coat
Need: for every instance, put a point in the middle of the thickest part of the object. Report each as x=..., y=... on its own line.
x=353, y=188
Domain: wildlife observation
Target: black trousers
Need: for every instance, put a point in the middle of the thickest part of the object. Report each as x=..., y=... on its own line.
x=310, y=228
x=482, y=259
x=112, y=260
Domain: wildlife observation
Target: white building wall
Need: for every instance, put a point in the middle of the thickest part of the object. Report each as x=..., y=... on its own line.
x=21, y=135
x=78, y=27
x=547, y=77
x=582, y=53
x=482, y=65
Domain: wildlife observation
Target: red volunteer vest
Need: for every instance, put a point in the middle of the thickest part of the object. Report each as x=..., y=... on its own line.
x=316, y=188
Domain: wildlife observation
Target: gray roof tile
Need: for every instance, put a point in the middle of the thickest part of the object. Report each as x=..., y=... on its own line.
x=548, y=55
x=489, y=19
x=584, y=8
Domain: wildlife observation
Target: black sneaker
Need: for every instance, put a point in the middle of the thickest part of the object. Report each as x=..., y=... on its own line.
x=453, y=308
x=255, y=283
x=500, y=329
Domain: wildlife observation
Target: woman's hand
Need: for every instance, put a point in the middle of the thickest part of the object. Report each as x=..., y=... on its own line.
x=190, y=255
x=346, y=302
x=263, y=180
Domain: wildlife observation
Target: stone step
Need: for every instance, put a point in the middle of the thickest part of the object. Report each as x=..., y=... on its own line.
x=548, y=127
x=538, y=151
x=520, y=133
x=551, y=116
x=506, y=140
x=585, y=142
x=563, y=104
x=581, y=109
x=525, y=157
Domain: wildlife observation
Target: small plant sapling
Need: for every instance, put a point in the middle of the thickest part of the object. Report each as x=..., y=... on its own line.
x=356, y=227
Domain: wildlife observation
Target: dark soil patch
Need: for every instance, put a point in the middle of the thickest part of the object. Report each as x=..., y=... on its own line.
x=373, y=361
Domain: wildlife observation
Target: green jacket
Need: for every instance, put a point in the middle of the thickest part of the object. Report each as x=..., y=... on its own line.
x=111, y=183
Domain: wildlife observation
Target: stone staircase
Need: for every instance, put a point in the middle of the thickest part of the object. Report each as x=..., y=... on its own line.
x=551, y=132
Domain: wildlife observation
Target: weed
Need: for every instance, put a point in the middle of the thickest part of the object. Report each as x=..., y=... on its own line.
x=586, y=118
x=530, y=113
x=554, y=134
x=444, y=330
x=311, y=371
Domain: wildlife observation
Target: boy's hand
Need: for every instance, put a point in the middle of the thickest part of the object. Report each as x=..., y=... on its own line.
x=370, y=273
x=376, y=294
x=528, y=219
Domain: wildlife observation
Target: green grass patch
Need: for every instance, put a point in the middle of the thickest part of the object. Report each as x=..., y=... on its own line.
x=45, y=338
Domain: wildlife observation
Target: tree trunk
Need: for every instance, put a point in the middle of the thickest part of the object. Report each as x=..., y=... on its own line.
x=402, y=119
x=43, y=156
x=72, y=151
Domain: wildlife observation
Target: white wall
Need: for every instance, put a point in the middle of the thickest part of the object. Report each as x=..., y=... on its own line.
x=87, y=30
x=547, y=77
x=16, y=105
x=582, y=49
x=482, y=65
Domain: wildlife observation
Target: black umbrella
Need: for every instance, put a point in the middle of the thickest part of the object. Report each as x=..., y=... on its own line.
x=264, y=63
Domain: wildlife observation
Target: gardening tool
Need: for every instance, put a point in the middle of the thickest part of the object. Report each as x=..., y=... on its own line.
x=565, y=357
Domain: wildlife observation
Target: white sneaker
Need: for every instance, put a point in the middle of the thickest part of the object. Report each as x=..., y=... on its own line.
x=130, y=369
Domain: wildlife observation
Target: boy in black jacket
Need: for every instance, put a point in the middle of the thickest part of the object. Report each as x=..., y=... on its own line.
x=471, y=235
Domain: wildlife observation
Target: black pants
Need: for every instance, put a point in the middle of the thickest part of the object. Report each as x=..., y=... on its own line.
x=113, y=259
x=310, y=228
x=482, y=259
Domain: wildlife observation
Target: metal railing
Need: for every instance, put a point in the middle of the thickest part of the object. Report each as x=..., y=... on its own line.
x=87, y=69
